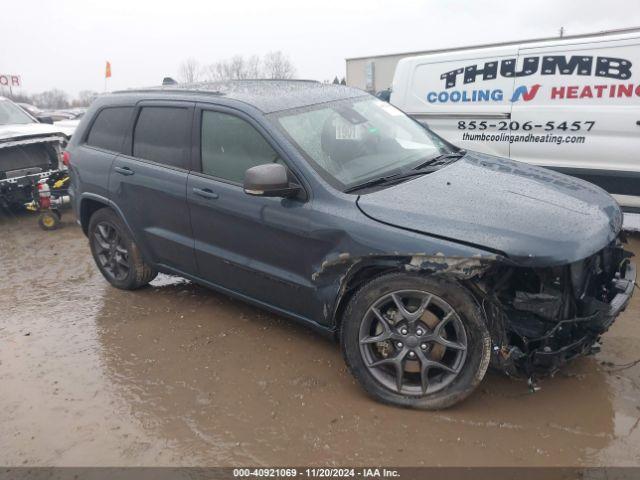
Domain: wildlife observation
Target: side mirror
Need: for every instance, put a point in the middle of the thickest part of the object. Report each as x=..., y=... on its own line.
x=45, y=119
x=269, y=180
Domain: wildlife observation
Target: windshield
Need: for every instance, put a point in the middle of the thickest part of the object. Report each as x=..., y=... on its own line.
x=11, y=114
x=356, y=140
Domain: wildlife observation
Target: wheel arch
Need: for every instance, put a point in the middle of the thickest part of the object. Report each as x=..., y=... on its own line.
x=362, y=271
x=353, y=280
x=90, y=204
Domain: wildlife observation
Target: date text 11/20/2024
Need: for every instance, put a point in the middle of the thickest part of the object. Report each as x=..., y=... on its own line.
x=316, y=472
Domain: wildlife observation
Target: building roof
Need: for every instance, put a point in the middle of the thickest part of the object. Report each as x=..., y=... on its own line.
x=266, y=95
x=500, y=44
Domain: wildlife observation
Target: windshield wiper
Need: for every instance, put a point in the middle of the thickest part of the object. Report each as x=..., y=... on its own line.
x=440, y=158
x=396, y=177
x=415, y=171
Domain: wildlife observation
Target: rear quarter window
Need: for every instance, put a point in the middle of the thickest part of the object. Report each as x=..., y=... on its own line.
x=109, y=128
x=161, y=135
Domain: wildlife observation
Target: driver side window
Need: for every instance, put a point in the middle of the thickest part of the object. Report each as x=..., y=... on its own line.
x=230, y=145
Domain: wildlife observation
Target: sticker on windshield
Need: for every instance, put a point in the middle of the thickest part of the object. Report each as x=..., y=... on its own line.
x=346, y=131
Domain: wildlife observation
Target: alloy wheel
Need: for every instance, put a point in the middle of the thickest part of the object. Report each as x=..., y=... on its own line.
x=413, y=342
x=111, y=252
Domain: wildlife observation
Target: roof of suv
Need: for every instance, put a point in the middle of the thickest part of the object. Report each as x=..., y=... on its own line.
x=266, y=95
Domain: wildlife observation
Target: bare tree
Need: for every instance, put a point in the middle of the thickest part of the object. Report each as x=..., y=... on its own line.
x=52, y=99
x=217, y=71
x=213, y=72
x=234, y=68
x=189, y=70
x=274, y=65
x=237, y=68
x=278, y=65
x=19, y=97
x=253, y=67
x=85, y=97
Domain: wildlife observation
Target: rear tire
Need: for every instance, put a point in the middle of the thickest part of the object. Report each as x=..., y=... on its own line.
x=116, y=254
x=428, y=328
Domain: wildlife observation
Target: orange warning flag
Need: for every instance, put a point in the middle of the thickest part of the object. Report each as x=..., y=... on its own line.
x=107, y=72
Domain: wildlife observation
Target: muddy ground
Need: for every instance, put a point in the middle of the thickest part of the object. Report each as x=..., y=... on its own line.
x=176, y=374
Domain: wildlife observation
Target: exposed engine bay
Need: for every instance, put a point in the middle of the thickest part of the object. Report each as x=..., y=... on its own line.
x=540, y=318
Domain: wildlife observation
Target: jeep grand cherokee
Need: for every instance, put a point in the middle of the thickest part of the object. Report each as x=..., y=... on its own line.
x=331, y=207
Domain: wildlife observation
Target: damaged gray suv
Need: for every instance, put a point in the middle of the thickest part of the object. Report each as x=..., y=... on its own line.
x=335, y=209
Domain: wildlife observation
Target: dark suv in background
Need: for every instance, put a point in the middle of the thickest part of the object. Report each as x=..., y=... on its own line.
x=333, y=208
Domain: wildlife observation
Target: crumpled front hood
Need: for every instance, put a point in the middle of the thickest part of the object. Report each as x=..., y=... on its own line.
x=535, y=216
x=18, y=131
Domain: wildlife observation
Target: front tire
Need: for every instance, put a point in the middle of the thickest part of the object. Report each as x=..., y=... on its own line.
x=415, y=341
x=116, y=254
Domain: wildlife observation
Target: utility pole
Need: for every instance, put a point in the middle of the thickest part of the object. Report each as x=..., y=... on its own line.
x=561, y=32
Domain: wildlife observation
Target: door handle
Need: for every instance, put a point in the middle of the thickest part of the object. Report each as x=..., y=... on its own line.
x=205, y=193
x=124, y=170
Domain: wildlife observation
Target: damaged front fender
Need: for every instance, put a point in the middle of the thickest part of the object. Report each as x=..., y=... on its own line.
x=460, y=268
x=337, y=277
x=538, y=318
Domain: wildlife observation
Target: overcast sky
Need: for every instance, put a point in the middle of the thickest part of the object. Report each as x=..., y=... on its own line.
x=64, y=44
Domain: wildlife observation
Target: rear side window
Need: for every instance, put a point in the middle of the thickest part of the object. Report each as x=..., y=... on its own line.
x=161, y=135
x=230, y=146
x=109, y=128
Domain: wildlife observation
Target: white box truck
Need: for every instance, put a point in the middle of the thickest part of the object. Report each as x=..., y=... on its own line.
x=570, y=104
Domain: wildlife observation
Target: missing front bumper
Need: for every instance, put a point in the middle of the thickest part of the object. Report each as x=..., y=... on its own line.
x=567, y=339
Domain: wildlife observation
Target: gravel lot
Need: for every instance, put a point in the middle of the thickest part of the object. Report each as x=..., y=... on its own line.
x=180, y=375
